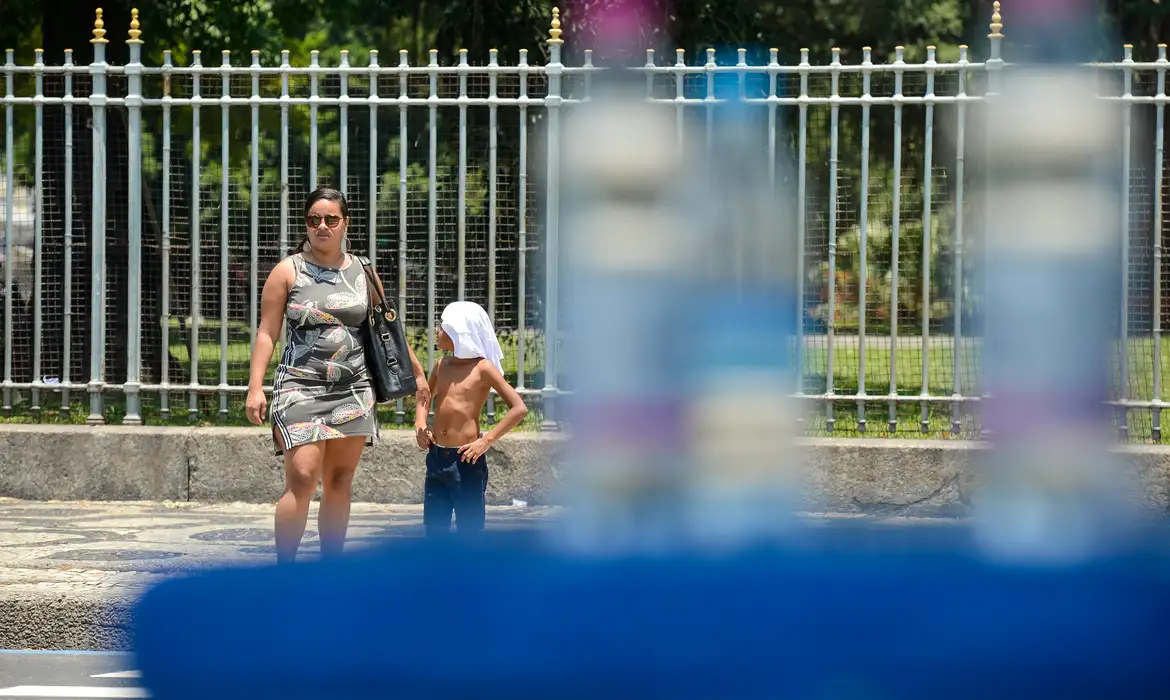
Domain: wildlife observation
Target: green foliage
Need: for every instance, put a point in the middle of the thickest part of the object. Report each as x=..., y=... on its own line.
x=359, y=25
x=302, y=26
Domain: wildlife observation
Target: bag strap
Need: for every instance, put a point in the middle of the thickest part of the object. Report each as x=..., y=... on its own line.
x=377, y=295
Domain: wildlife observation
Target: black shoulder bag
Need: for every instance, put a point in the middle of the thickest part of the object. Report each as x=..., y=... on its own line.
x=387, y=354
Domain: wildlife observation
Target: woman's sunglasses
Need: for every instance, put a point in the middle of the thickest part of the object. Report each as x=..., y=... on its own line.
x=331, y=221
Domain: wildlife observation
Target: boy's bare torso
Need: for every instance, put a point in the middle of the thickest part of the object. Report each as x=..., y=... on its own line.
x=460, y=391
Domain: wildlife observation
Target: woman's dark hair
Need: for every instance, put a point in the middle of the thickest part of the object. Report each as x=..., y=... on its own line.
x=327, y=194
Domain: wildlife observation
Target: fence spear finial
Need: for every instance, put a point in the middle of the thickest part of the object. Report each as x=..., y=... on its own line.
x=135, y=32
x=554, y=32
x=99, y=29
x=996, y=21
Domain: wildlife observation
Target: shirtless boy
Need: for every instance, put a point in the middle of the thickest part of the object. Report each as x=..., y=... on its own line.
x=457, y=471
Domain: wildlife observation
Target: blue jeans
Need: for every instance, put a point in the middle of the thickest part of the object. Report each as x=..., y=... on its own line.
x=453, y=486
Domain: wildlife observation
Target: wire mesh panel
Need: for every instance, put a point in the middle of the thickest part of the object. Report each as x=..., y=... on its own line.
x=895, y=334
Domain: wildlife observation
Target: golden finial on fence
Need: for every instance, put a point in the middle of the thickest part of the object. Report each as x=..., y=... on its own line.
x=99, y=29
x=996, y=21
x=135, y=32
x=554, y=33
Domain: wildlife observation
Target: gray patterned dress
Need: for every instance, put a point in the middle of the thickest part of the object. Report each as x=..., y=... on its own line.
x=322, y=390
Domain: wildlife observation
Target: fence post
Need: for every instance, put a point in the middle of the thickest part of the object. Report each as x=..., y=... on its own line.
x=39, y=231
x=863, y=232
x=432, y=199
x=403, y=164
x=343, y=134
x=67, y=282
x=995, y=61
x=1126, y=170
x=994, y=65
x=314, y=95
x=375, y=180
x=284, y=162
x=1159, y=162
x=9, y=187
x=97, y=276
x=134, y=218
x=553, y=212
x=802, y=220
x=195, y=306
x=959, y=255
x=164, y=394
x=927, y=216
x=225, y=201
x=834, y=203
x=254, y=247
x=461, y=189
x=284, y=104
x=493, y=203
x=522, y=225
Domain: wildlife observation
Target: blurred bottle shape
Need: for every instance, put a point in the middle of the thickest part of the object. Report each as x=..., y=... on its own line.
x=682, y=308
x=741, y=304
x=1051, y=491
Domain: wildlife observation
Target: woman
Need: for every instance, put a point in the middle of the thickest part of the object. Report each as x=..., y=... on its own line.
x=323, y=408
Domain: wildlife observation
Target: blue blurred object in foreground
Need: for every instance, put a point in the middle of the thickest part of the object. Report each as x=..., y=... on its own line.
x=911, y=618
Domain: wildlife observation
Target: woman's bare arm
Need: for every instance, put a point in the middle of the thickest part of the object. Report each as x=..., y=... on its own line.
x=422, y=397
x=272, y=301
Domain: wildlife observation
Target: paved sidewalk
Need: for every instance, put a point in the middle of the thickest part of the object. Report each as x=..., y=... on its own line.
x=69, y=571
x=127, y=545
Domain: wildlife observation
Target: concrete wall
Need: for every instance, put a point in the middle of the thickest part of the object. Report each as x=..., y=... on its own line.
x=870, y=476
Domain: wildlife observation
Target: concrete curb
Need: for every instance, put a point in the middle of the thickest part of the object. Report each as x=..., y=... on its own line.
x=66, y=621
x=216, y=465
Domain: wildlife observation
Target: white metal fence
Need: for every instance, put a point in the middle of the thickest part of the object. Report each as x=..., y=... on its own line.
x=144, y=205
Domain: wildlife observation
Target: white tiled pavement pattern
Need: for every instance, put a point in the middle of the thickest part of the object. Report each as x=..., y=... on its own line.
x=118, y=548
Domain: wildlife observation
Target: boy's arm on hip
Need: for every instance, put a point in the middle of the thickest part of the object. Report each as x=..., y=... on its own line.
x=517, y=410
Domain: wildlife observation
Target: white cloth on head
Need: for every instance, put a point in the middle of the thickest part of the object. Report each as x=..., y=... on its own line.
x=471, y=332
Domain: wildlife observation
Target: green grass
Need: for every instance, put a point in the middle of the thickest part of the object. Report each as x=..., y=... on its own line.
x=238, y=356
x=907, y=362
x=940, y=376
x=940, y=368
x=907, y=359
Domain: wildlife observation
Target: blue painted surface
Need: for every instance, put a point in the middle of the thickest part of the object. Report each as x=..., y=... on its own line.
x=888, y=615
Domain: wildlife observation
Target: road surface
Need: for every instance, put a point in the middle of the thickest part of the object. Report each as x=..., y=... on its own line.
x=68, y=674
